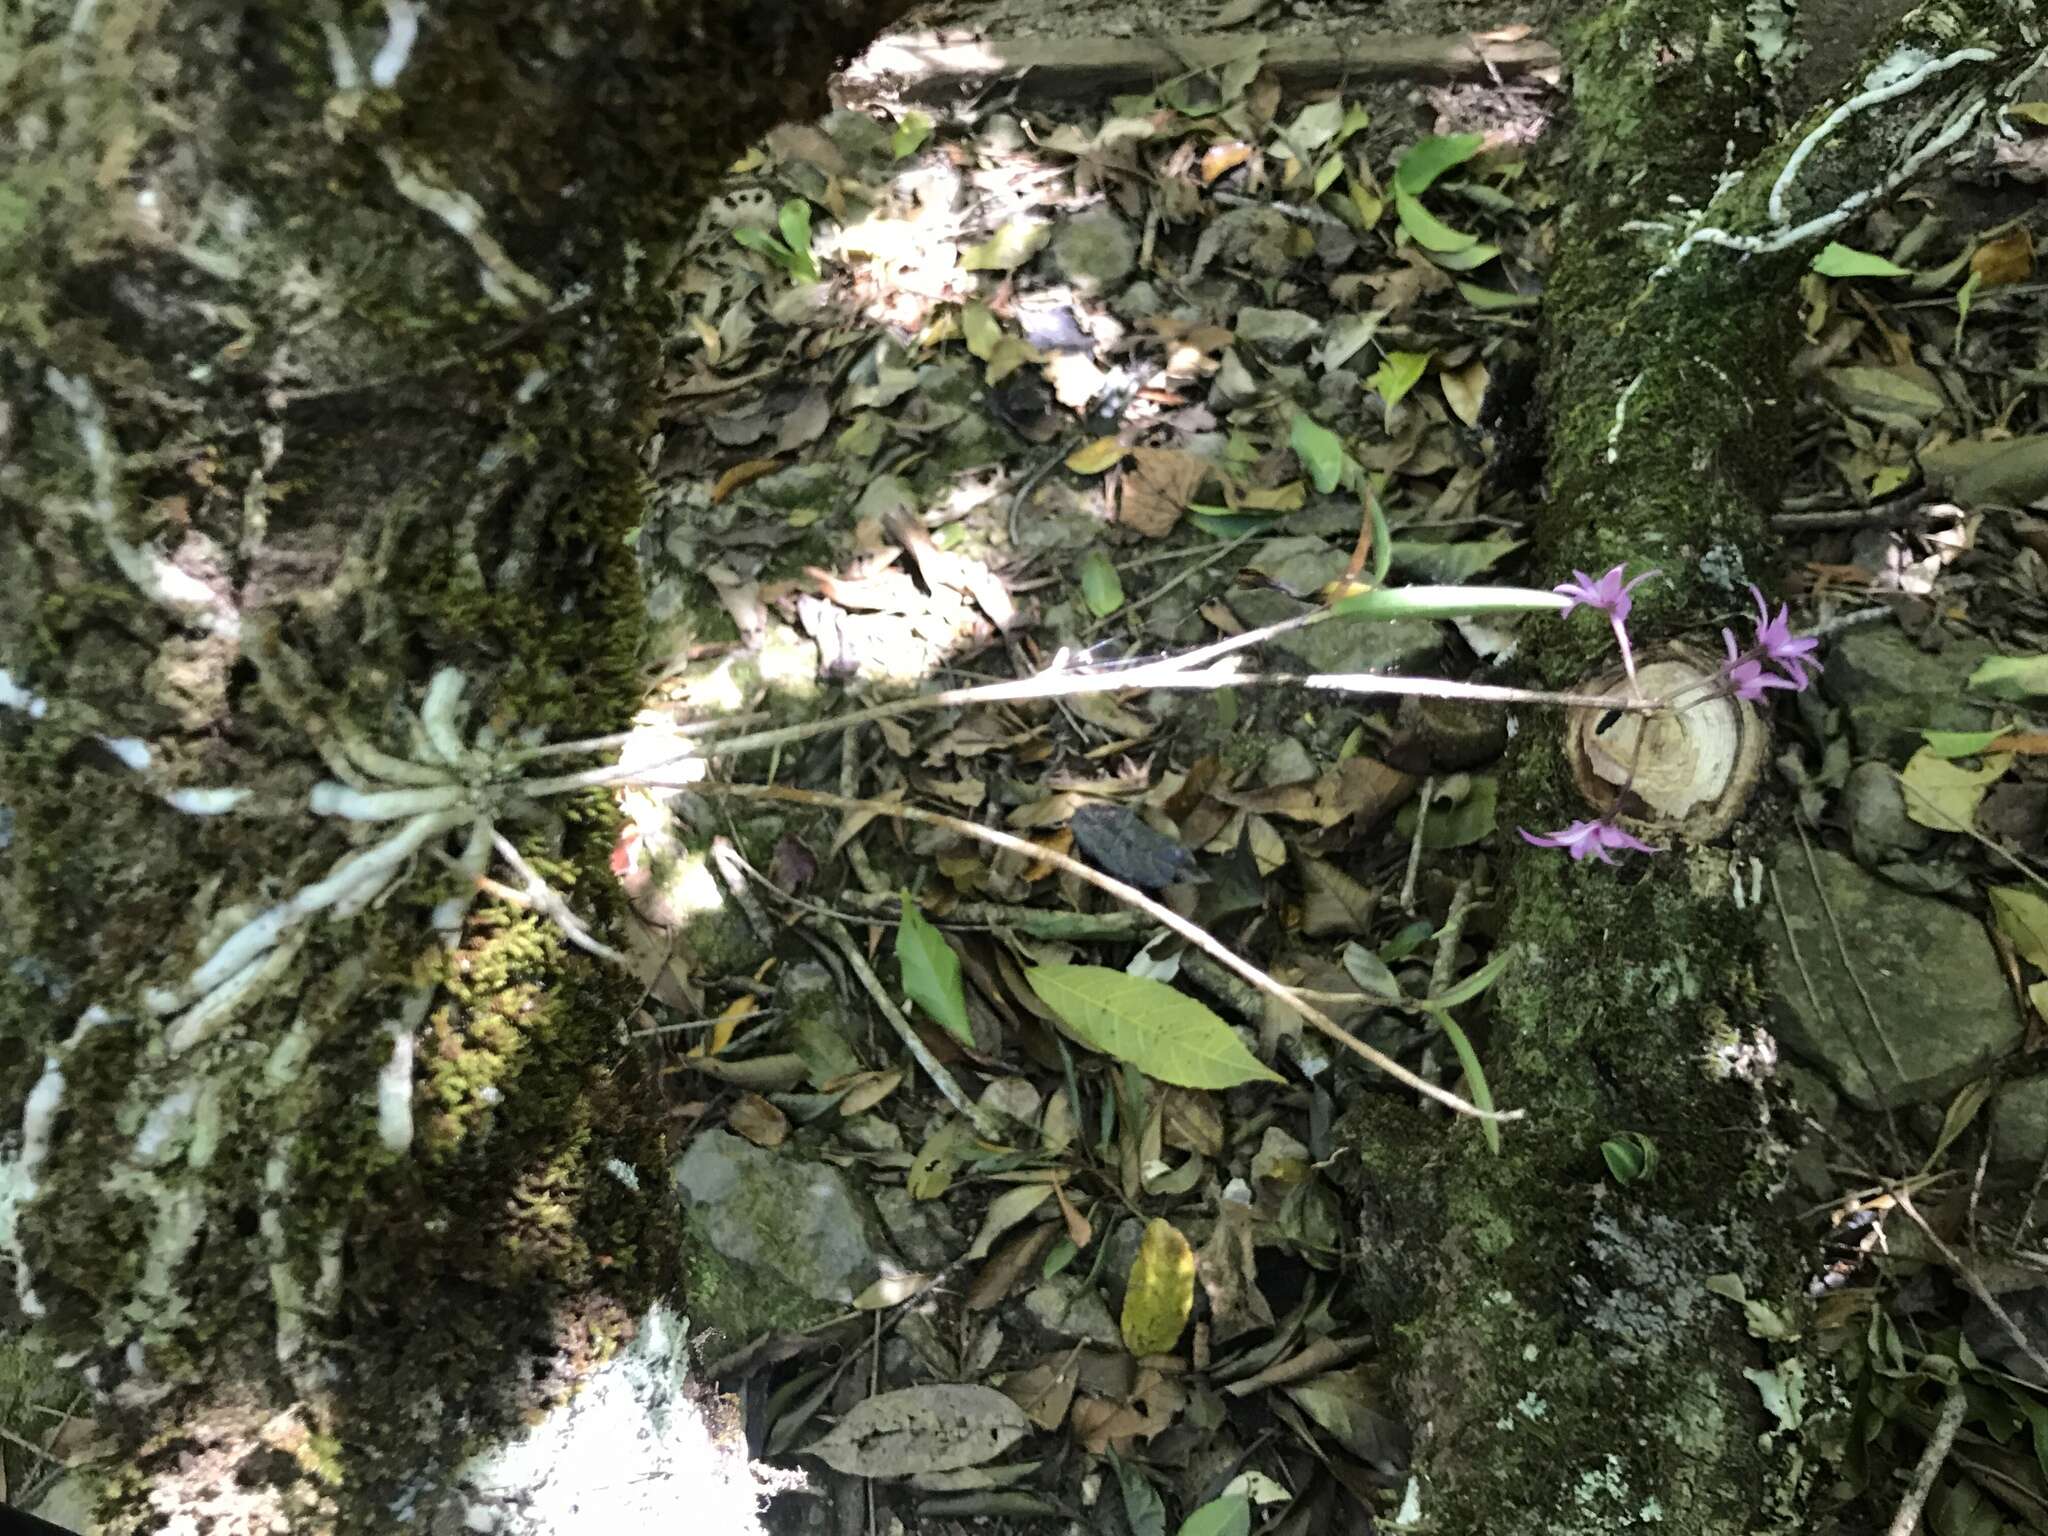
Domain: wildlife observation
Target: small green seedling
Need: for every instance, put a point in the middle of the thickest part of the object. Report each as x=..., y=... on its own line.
x=1631, y=1157
x=792, y=251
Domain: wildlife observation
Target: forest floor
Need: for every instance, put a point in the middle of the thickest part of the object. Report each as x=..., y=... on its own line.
x=1009, y=1200
x=1005, y=390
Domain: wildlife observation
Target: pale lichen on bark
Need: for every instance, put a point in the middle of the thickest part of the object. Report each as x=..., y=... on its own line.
x=329, y=335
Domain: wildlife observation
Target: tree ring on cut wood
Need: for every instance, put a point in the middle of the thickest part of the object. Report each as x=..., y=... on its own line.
x=1690, y=772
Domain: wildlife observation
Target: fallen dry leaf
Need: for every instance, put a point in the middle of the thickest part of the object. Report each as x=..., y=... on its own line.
x=2008, y=259
x=1013, y=1262
x=758, y=1120
x=1098, y=1424
x=1045, y=1392
x=1158, y=487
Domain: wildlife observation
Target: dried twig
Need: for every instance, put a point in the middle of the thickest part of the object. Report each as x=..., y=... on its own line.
x=933, y=1067
x=1973, y=1282
x=1415, y=846
x=1953, y=1406
x=1191, y=670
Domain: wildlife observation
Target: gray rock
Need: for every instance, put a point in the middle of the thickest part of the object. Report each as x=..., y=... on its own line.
x=871, y=1133
x=1942, y=1010
x=1095, y=251
x=1880, y=831
x=1281, y=333
x=913, y=1226
x=793, y=1219
x=2019, y=1123
x=1891, y=690
x=816, y=1022
x=1340, y=645
x=1067, y=1307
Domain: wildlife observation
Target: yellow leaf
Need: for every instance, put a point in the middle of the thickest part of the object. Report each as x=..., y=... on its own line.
x=1463, y=391
x=1161, y=1293
x=2023, y=918
x=2035, y=112
x=1096, y=455
x=1274, y=498
x=1009, y=247
x=729, y=1021
x=707, y=333
x=740, y=474
x=1218, y=159
x=1945, y=795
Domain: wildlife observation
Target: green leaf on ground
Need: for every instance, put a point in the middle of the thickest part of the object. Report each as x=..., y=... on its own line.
x=1164, y=1033
x=981, y=329
x=1843, y=261
x=1467, y=260
x=1945, y=795
x=1952, y=744
x=910, y=135
x=2011, y=677
x=1144, y=1510
x=1227, y=1516
x=1438, y=561
x=931, y=972
x=1008, y=248
x=1320, y=450
x=1431, y=157
x=1496, y=298
x=1460, y=825
x=1427, y=230
x=1101, y=588
x=1398, y=373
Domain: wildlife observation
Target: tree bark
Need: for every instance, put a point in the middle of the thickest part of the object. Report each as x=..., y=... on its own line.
x=330, y=341
x=1566, y=1370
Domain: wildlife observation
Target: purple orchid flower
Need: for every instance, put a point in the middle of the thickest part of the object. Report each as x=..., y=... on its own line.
x=1588, y=839
x=1745, y=675
x=1610, y=595
x=1775, y=640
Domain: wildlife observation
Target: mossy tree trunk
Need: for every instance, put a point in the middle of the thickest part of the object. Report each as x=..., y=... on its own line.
x=330, y=339
x=1565, y=1366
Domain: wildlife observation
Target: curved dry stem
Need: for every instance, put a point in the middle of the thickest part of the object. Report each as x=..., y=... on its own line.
x=1129, y=895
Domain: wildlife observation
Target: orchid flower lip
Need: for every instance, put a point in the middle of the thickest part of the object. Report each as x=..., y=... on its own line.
x=1588, y=839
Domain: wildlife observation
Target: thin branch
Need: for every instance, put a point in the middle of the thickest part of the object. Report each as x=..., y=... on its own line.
x=1191, y=670
x=1970, y=1279
x=1953, y=1406
x=1166, y=917
x=933, y=1067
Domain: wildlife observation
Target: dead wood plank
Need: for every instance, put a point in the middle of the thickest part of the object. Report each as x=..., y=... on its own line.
x=915, y=66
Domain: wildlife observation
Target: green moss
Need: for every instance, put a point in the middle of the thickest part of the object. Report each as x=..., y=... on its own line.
x=740, y=1301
